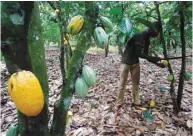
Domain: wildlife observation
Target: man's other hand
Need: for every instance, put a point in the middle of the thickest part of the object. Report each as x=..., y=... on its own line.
x=157, y=59
x=161, y=65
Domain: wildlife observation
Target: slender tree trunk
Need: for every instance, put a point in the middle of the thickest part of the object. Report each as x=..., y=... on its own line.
x=63, y=49
x=182, y=37
x=172, y=90
x=67, y=13
x=23, y=49
x=120, y=50
x=106, y=51
x=61, y=107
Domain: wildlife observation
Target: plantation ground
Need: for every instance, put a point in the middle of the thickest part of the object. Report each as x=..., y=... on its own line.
x=96, y=115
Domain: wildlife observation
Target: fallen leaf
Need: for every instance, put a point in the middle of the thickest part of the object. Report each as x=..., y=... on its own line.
x=189, y=123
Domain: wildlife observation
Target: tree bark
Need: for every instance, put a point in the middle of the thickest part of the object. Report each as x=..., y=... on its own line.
x=106, y=51
x=23, y=49
x=120, y=50
x=182, y=71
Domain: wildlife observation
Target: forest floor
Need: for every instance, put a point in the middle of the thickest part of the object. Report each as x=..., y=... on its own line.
x=96, y=114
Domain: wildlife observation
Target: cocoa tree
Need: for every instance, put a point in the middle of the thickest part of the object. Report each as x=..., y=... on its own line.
x=183, y=43
x=84, y=42
x=172, y=90
x=175, y=98
x=22, y=47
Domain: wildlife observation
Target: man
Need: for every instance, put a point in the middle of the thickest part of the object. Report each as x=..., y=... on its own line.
x=136, y=47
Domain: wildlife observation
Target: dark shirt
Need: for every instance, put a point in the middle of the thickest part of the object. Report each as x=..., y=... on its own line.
x=136, y=47
x=100, y=25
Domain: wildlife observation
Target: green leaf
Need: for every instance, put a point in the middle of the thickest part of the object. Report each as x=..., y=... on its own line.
x=12, y=131
x=163, y=88
x=174, y=20
x=144, y=22
x=121, y=38
x=116, y=11
x=116, y=19
x=187, y=76
x=110, y=33
x=150, y=12
x=188, y=13
x=147, y=116
x=126, y=26
x=136, y=14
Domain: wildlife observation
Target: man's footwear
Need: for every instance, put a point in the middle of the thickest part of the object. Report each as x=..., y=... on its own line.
x=118, y=106
x=136, y=105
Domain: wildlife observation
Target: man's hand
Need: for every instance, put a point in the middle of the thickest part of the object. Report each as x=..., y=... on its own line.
x=157, y=59
x=154, y=59
x=160, y=65
x=150, y=58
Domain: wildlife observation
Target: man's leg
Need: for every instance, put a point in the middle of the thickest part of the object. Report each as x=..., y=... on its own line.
x=124, y=70
x=135, y=78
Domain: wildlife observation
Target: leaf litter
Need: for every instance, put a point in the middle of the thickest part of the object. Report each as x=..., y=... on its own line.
x=96, y=115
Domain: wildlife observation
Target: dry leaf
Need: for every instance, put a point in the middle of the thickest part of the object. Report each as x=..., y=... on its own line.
x=94, y=111
x=189, y=123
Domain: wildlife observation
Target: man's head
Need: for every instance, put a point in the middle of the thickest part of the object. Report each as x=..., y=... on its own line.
x=154, y=29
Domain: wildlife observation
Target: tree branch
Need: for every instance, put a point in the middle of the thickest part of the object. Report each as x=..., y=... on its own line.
x=51, y=4
x=147, y=14
x=151, y=16
x=163, y=2
x=62, y=46
x=182, y=37
x=175, y=57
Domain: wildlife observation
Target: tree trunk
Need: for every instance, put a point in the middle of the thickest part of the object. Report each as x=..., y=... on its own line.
x=120, y=50
x=61, y=107
x=182, y=37
x=106, y=51
x=23, y=49
x=172, y=91
x=63, y=49
x=107, y=48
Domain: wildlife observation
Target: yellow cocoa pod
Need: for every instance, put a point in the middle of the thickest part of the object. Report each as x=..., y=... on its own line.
x=25, y=91
x=75, y=25
x=152, y=103
x=67, y=36
x=57, y=11
x=65, y=42
x=68, y=115
x=165, y=62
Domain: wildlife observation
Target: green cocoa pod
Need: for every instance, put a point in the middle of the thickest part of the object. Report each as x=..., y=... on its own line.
x=88, y=75
x=100, y=37
x=170, y=77
x=187, y=76
x=106, y=22
x=81, y=88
